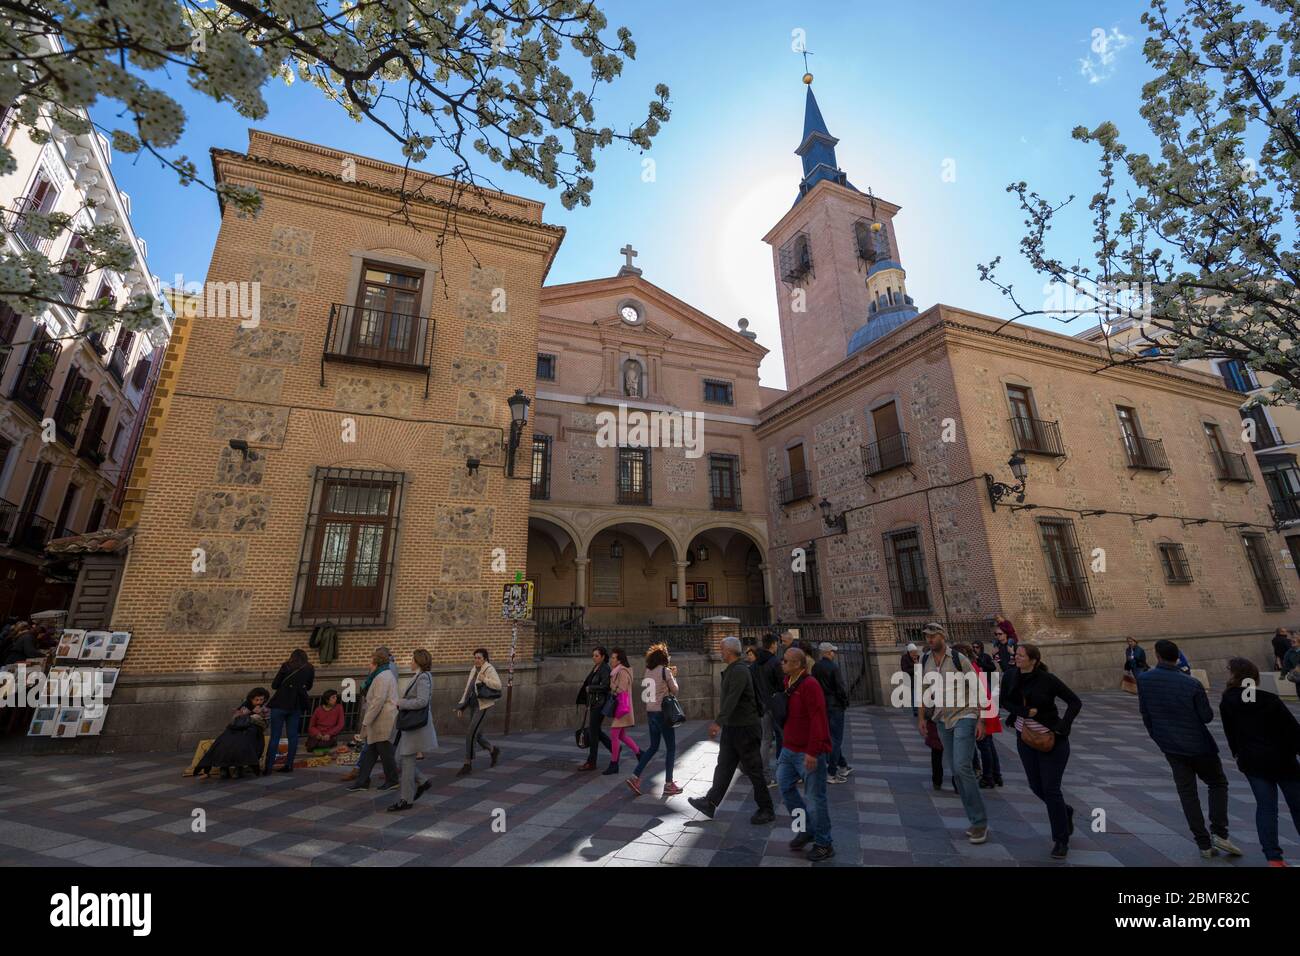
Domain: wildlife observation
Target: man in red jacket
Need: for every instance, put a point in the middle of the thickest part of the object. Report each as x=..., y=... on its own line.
x=805, y=745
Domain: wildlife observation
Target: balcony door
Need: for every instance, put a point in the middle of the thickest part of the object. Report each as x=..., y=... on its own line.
x=385, y=326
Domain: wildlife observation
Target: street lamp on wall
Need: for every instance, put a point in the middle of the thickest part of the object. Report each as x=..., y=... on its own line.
x=833, y=522
x=999, y=490
x=518, y=403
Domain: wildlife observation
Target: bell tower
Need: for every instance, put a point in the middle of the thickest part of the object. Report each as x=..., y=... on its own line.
x=840, y=284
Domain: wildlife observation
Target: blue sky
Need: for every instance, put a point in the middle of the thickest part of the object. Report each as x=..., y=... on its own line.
x=995, y=88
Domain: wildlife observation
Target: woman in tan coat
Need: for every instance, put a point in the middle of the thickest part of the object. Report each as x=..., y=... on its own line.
x=378, y=724
x=620, y=691
x=482, y=690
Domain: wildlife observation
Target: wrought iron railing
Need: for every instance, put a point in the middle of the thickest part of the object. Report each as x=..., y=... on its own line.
x=68, y=416
x=8, y=520
x=93, y=450
x=1148, y=453
x=31, y=391
x=956, y=632
x=634, y=640
x=1232, y=466
x=1038, y=436
x=117, y=366
x=794, y=488
x=380, y=338
x=19, y=228
x=749, y=615
x=31, y=532
x=1287, y=508
x=892, y=451
x=558, y=618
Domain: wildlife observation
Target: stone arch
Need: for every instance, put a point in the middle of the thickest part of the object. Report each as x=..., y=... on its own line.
x=679, y=549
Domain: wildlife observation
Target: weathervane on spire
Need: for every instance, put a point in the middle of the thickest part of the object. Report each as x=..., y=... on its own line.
x=807, y=76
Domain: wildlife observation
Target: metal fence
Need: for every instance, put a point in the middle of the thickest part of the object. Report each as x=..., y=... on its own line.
x=747, y=614
x=635, y=640
x=851, y=651
x=913, y=632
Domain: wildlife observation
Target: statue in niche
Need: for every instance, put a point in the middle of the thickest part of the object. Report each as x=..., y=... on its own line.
x=632, y=378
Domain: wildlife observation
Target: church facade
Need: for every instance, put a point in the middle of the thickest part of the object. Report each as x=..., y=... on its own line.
x=351, y=459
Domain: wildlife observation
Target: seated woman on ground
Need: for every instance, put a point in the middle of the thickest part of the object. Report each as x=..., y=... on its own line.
x=326, y=722
x=240, y=744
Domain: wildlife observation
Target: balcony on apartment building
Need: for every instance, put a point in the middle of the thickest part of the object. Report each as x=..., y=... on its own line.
x=32, y=389
x=892, y=451
x=794, y=488
x=1146, y=453
x=19, y=228
x=69, y=413
x=1037, y=436
x=380, y=338
x=24, y=530
x=1232, y=466
x=117, y=366
x=93, y=449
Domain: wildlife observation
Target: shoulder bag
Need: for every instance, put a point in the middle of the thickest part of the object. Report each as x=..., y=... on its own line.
x=673, y=714
x=414, y=719
x=483, y=692
x=1041, y=740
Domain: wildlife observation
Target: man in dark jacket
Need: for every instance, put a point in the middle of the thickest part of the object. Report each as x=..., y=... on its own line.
x=1281, y=644
x=1176, y=711
x=767, y=680
x=836, y=694
x=740, y=725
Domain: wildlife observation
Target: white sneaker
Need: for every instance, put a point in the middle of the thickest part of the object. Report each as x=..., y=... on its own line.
x=844, y=771
x=836, y=779
x=841, y=777
x=1224, y=845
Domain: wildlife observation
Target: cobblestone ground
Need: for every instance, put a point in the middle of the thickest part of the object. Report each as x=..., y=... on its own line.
x=136, y=810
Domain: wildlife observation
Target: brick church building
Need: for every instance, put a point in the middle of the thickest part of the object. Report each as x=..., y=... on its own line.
x=350, y=458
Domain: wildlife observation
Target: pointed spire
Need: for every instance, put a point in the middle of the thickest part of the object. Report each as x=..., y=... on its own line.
x=817, y=150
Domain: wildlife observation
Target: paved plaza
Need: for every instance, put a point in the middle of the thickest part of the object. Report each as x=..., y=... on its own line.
x=137, y=810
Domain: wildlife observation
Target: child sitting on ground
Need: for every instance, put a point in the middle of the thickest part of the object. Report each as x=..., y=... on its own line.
x=326, y=722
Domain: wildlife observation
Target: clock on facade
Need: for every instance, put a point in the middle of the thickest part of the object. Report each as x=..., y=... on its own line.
x=630, y=314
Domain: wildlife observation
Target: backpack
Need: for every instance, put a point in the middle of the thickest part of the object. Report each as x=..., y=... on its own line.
x=956, y=660
x=779, y=703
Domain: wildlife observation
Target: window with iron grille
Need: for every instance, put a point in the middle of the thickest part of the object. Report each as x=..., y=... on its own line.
x=908, y=586
x=541, y=475
x=807, y=586
x=1265, y=572
x=346, y=572
x=634, y=476
x=719, y=393
x=796, y=259
x=1065, y=566
x=724, y=482
x=545, y=367
x=1174, y=561
x=141, y=373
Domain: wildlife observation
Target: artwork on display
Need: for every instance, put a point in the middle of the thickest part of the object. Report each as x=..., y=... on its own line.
x=68, y=722
x=92, y=723
x=43, y=722
x=108, y=675
x=70, y=643
x=117, y=644
x=94, y=646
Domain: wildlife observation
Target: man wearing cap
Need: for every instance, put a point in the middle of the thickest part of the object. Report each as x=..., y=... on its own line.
x=958, y=723
x=907, y=664
x=828, y=674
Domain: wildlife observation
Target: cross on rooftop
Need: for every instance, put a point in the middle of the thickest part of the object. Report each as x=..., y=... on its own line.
x=629, y=254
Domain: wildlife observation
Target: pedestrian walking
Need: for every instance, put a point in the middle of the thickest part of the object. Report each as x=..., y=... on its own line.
x=391, y=666
x=622, y=712
x=482, y=691
x=775, y=679
x=959, y=725
x=379, y=724
x=986, y=746
x=738, y=726
x=767, y=678
x=1004, y=655
x=981, y=658
x=1291, y=660
x=594, y=693
x=1176, y=710
x=907, y=665
x=416, y=735
x=936, y=754
x=1030, y=693
x=804, y=759
x=664, y=676
x=1264, y=736
x=1008, y=629
x=1281, y=644
x=836, y=694
x=289, y=701
x=1135, y=658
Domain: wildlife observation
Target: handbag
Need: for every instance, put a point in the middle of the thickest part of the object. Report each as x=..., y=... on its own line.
x=1041, y=740
x=580, y=735
x=483, y=692
x=607, y=708
x=1128, y=683
x=671, y=709
x=623, y=707
x=412, y=719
